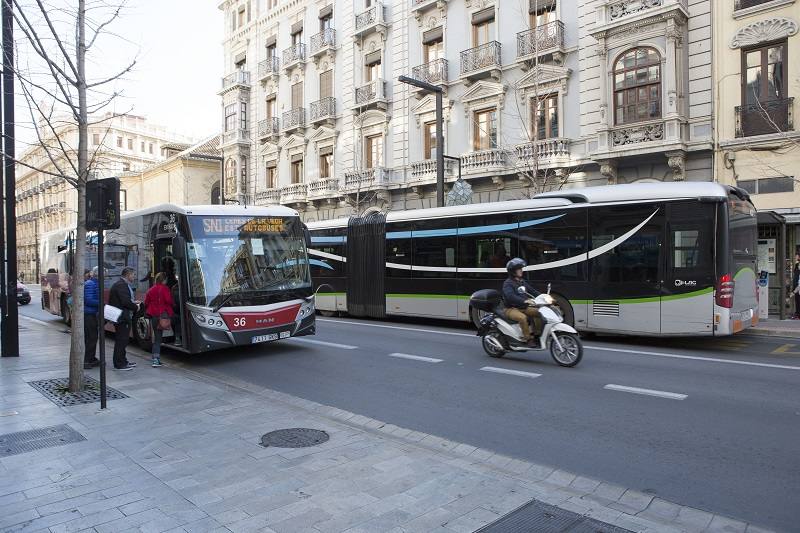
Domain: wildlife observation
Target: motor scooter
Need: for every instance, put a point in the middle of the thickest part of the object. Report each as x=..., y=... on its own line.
x=500, y=336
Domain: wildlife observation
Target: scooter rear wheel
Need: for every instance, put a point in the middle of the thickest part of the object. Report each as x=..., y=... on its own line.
x=490, y=348
x=571, y=351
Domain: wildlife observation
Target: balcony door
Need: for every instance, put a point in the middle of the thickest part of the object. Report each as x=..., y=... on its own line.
x=326, y=84
x=483, y=27
x=432, y=50
x=272, y=108
x=297, y=95
x=374, y=150
x=542, y=12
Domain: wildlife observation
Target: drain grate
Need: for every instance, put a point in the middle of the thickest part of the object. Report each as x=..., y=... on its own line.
x=544, y=518
x=57, y=391
x=37, y=439
x=294, y=438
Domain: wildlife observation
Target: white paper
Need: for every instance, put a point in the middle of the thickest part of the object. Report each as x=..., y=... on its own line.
x=258, y=246
x=111, y=313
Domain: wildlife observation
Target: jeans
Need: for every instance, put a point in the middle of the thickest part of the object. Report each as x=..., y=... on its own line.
x=121, y=337
x=157, y=334
x=89, y=337
x=521, y=317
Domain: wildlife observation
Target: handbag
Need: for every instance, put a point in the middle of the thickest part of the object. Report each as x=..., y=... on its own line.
x=164, y=322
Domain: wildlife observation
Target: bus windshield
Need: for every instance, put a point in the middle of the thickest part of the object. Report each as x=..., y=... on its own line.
x=231, y=258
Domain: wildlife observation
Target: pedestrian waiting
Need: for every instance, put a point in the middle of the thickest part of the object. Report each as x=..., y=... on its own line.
x=91, y=308
x=158, y=305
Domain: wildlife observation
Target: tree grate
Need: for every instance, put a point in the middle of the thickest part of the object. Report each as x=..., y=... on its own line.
x=57, y=391
x=294, y=438
x=541, y=517
x=38, y=439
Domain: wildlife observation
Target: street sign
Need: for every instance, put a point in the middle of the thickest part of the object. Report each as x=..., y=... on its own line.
x=102, y=204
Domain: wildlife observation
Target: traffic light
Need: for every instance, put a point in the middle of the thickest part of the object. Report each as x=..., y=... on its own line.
x=102, y=204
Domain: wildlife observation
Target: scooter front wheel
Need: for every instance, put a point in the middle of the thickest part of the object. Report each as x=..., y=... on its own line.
x=571, y=351
x=492, y=345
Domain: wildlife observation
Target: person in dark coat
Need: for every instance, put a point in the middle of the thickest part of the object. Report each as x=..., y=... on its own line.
x=519, y=308
x=121, y=296
x=91, y=307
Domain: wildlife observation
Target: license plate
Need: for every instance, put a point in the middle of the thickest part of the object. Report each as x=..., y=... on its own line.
x=264, y=338
x=286, y=334
x=747, y=315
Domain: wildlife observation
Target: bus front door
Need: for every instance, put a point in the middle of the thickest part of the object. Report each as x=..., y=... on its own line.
x=167, y=263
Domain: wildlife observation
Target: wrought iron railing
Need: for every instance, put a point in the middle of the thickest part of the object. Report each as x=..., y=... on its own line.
x=764, y=118
x=481, y=57
x=433, y=72
x=294, y=118
x=324, y=39
x=269, y=67
x=269, y=127
x=293, y=54
x=371, y=92
x=541, y=39
x=240, y=77
x=369, y=17
x=322, y=109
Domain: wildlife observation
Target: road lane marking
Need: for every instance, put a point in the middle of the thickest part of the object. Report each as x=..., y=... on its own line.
x=786, y=349
x=416, y=357
x=437, y=332
x=692, y=357
x=323, y=343
x=510, y=372
x=646, y=392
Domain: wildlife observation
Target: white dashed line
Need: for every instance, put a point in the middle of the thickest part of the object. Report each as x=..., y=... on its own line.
x=416, y=357
x=510, y=372
x=647, y=392
x=692, y=357
x=323, y=343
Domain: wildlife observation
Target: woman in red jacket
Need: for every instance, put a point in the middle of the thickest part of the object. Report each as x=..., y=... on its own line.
x=158, y=304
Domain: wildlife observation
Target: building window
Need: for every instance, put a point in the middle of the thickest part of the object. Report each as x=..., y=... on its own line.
x=243, y=119
x=123, y=200
x=766, y=108
x=433, y=50
x=326, y=84
x=768, y=185
x=637, y=86
x=272, y=51
x=272, y=107
x=119, y=142
x=373, y=146
x=230, y=176
x=141, y=147
x=484, y=136
x=150, y=148
x=545, y=117
x=326, y=22
x=96, y=139
x=325, y=164
x=230, y=120
x=297, y=95
x=215, y=194
x=542, y=12
x=130, y=144
x=483, y=27
x=297, y=170
x=241, y=17
x=297, y=38
x=430, y=140
x=271, y=176
x=126, y=167
x=372, y=66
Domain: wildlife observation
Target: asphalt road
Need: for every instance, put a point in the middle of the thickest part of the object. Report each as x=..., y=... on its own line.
x=721, y=434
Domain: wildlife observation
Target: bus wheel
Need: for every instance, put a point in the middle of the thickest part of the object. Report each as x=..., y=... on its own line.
x=141, y=332
x=66, y=311
x=566, y=309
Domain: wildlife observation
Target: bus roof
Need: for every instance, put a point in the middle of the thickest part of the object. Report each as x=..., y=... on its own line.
x=645, y=191
x=219, y=210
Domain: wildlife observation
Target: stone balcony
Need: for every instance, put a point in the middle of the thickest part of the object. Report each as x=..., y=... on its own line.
x=294, y=120
x=269, y=69
x=269, y=196
x=434, y=72
x=482, y=62
x=294, y=56
x=424, y=172
x=361, y=180
x=269, y=129
x=294, y=194
x=323, y=43
x=541, y=41
x=323, y=111
x=371, y=20
x=545, y=153
x=235, y=136
x=323, y=189
x=236, y=80
x=485, y=161
x=371, y=95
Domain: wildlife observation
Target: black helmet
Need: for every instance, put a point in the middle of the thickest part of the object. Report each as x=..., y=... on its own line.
x=514, y=264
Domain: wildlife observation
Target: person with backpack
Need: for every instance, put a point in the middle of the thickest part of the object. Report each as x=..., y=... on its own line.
x=158, y=305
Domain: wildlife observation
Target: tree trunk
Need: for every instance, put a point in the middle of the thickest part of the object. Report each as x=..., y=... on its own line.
x=77, y=345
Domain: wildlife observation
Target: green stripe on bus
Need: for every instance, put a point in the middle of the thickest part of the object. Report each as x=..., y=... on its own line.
x=651, y=299
x=742, y=271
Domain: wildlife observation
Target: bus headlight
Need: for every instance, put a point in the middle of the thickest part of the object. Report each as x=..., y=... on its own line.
x=306, y=309
x=209, y=321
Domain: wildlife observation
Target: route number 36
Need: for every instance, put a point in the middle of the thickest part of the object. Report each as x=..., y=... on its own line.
x=239, y=322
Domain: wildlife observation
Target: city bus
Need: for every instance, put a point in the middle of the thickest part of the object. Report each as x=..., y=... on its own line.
x=640, y=259
x=240, y=274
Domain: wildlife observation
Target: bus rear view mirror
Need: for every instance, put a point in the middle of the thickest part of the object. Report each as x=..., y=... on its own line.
x=179, y=248
x=307, y=236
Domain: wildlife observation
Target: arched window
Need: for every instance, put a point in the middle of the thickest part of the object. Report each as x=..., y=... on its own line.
x=215, y=194
x=230, y=177
x=637, y=86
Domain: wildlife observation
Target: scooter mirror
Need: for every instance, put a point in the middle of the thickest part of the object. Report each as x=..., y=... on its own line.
x=548, y=287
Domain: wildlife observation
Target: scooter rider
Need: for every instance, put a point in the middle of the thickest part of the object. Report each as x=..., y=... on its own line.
x=518, y=308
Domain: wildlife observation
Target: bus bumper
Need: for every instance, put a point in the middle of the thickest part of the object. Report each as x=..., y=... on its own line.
x=728, y=322
x=206, y=339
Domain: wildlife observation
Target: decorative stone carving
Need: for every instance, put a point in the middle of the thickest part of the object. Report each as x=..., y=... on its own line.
x=638, y=134
x=677, y=162
x=624, y=8
x=608, y=169
x=499, y=182
x=764, y=31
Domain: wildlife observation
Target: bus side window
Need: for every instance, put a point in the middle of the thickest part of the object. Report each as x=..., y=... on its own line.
x=691, y=232
x=434, y=245
x=637, y=258
x=486, y=242
x=398, y=249
x=554, y=240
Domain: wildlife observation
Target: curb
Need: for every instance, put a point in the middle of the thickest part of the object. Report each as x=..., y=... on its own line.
x=773, y=333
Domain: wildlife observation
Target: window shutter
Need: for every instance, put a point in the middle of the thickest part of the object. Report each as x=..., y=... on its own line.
x=271, y=41
x=326, y=12
x=272, y=164
x=483, y=15
x=372, y=58
x=297, y=95
x=296, y=158
x=326, y=150
x=433, y=36
x=326, y=84
x=297, y=27
x=240, y=58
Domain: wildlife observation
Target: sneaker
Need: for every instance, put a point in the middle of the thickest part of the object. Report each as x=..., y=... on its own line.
x=156, y=363
x=129, y=366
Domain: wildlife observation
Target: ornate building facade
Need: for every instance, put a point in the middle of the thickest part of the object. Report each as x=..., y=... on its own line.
x=117, y=145
x=538, y=94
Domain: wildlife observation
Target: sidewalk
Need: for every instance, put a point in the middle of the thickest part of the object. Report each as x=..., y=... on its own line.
x=774, y=327
x=182, y=453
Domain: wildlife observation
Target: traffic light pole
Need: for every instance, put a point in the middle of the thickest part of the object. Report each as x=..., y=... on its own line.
x=11, y=318
x=101, y=322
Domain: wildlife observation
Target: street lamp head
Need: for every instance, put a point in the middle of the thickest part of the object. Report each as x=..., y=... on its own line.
x=420, y=84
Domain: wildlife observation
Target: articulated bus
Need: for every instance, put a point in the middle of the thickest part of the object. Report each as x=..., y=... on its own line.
x=640, y=259
x=240, y=273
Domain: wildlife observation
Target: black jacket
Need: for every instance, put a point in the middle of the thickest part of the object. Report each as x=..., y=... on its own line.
x=120, y=296
x=510, y=295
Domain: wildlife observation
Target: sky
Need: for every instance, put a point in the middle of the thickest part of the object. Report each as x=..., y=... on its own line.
x=177, y=45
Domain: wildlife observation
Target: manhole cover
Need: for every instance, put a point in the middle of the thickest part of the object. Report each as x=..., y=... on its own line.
x=294, y=438
x=541, y=517
x=57, y=391
x=37, y=439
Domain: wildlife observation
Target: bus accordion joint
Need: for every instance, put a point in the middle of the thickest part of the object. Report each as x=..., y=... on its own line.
x=725, y=291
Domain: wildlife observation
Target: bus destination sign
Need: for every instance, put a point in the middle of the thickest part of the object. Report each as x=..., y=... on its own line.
x=227, y=226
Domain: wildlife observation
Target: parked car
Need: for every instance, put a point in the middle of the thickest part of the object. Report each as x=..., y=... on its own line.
x=23, y=294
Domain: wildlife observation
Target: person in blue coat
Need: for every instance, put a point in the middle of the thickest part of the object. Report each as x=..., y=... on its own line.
x=91, y=308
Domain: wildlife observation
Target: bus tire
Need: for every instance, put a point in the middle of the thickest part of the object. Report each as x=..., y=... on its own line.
x=141, y=332
x=66, y=311
x=566, y=309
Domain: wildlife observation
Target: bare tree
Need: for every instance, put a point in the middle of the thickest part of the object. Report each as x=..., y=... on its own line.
x=57, y=43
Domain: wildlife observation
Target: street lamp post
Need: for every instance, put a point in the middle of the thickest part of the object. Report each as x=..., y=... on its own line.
x=435, y=89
